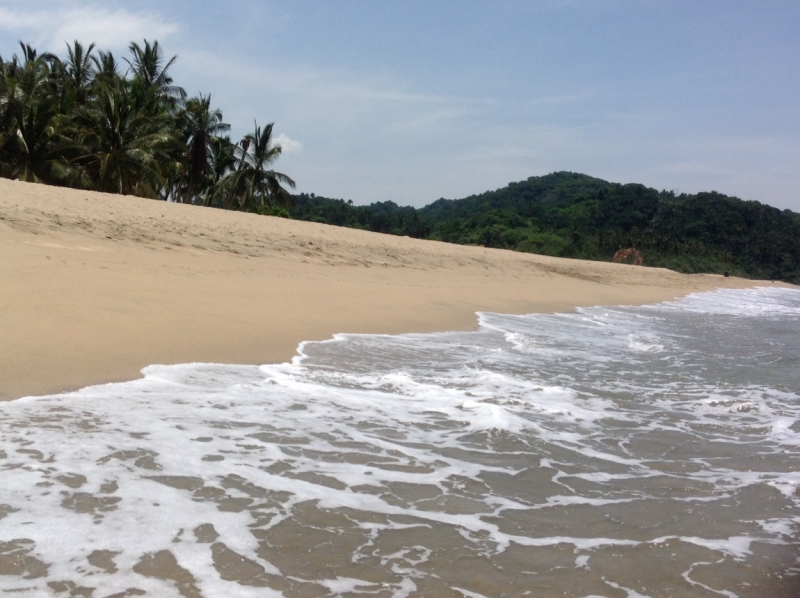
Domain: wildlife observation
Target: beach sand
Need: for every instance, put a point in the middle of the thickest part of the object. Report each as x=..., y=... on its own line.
x=94, y=287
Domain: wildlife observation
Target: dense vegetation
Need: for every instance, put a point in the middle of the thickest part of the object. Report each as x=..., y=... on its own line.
x=88, y=121
x=91, y=122
x=574, y=215
x=381, y=217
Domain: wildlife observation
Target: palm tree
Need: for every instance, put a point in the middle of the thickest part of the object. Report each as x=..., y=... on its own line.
x=7, y=71
x=40, y=151
x=128, y=148
x=253, y=185
x=79, y=70
x=106, y=69
x=31, y=145
x=80, y=122
x=27, y=80
x=222, y=161
x=200, y=125
x=150, y=71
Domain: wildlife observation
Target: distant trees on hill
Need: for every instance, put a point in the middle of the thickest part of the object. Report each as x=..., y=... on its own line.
x=573, y=215
x=381, y=217
x=89, y=121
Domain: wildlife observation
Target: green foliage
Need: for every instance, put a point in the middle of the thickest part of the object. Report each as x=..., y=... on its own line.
x=543, y=243
x=77, y=122
x=252, y=185
x=527, y=198
x=127, y=143
x=381, y=217
x=277, y=211
x=573, y=215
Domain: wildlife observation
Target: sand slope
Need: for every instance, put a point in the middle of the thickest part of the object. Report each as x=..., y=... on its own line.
x=94, y=287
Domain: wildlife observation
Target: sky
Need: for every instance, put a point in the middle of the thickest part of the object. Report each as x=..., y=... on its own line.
x=411, y=101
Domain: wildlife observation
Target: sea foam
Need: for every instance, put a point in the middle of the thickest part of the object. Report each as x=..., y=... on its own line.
x=641, y=450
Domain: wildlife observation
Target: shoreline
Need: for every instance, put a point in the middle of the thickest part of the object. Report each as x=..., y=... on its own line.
x=97, y=287
x=332, y=337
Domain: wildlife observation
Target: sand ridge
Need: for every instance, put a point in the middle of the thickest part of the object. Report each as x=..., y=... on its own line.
x=95, y=287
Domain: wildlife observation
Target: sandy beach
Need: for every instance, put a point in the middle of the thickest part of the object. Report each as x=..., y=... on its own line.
x=96, y=287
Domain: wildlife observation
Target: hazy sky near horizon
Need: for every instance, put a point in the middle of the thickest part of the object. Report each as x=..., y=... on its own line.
x=411, y=100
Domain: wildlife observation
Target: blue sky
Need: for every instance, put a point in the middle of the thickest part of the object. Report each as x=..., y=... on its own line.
x=412, y=101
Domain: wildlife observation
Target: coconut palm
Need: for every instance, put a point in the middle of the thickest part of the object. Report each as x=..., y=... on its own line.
x=79, y=70
x=6, y=92
x=128, y=148
x=31, y=146
x=28, y=80
x=221, y=162
x=253, y=184
x=81, y=122
x=39, y=152
x=150, y=70
x=200, y=125
x=106, y=69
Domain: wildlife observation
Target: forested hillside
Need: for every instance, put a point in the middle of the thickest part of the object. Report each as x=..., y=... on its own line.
x=90, y=121
x=574, y=215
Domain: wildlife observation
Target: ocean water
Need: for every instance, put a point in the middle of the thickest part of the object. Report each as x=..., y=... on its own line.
x=620, y=452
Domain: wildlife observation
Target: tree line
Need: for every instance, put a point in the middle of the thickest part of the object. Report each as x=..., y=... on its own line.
x=380, y=217
x=566, y=214
x=90, y=121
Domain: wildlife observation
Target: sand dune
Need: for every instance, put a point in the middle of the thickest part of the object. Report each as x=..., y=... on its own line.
x=94, y=287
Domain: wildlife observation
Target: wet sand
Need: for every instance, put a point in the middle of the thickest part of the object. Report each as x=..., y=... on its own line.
x=95, y=287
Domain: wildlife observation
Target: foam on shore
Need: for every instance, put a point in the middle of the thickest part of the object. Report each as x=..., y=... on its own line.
x=543, y=454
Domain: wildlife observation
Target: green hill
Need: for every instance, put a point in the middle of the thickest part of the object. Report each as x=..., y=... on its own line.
x=573, y=215
x=523, y=197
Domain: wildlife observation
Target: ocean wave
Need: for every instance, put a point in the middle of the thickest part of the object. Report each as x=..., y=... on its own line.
x=541, y=447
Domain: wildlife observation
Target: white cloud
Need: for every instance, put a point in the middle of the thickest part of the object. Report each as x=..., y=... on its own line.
x=110, y=29
x=307, y=86
x=10, y=19
x=288, y=146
